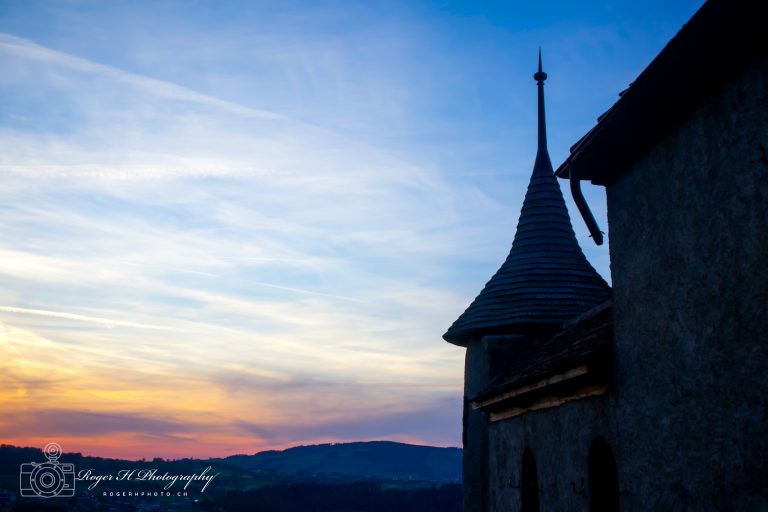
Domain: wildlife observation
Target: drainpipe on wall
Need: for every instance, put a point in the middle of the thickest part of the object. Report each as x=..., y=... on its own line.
x=581, y=203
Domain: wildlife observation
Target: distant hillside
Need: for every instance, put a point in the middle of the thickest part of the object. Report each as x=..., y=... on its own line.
x=363, y=477
x=372, y=459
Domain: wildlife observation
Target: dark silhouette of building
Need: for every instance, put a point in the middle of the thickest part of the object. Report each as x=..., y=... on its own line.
x=651, y=395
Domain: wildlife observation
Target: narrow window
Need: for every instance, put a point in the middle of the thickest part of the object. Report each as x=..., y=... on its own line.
x=603, y=478
x=529, y=484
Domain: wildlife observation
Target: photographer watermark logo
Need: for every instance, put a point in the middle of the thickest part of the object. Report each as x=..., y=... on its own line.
x=47, y=479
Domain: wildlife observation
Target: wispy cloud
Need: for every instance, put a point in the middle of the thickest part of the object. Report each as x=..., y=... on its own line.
x=301, y=290
x=308, y=256
x=109, y=322
x=29, y=50
x=278, y=213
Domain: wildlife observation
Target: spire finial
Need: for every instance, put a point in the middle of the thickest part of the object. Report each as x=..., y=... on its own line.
x=540, y=76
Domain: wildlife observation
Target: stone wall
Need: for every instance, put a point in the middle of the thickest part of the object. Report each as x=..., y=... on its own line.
x=559, y=439
x=475, y=430
x=689, y=261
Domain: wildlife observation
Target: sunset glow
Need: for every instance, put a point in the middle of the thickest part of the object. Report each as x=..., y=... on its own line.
x=244, y=226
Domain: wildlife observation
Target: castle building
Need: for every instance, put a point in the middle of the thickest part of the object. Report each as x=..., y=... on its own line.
x=651, y=395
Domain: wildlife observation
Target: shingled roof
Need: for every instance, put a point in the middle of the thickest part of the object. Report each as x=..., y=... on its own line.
x=546, y=279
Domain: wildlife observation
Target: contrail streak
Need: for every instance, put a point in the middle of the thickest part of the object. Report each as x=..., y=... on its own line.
x=82, y=318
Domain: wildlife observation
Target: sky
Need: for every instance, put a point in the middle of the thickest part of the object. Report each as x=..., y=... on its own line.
x=227, y=227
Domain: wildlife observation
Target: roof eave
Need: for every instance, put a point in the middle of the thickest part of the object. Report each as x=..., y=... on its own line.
x=464, y=337
x=718, y=41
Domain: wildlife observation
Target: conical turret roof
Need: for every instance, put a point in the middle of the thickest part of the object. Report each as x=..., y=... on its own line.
x=546, y=279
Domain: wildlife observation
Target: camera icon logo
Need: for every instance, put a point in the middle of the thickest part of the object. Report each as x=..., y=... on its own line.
x=47, y=479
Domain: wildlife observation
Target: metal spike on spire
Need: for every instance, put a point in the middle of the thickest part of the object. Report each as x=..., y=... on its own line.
x=540, y=76
x=541, y=154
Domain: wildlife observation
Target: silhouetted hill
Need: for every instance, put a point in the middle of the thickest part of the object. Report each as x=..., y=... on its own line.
x=353, y=477
x=372, y=459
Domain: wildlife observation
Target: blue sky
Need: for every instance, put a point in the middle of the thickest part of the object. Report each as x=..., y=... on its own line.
x=232, y=226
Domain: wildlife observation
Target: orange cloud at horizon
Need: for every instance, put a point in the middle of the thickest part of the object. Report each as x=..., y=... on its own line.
x=132, y=402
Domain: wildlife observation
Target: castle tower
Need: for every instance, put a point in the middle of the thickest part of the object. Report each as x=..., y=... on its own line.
x=545, y=281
